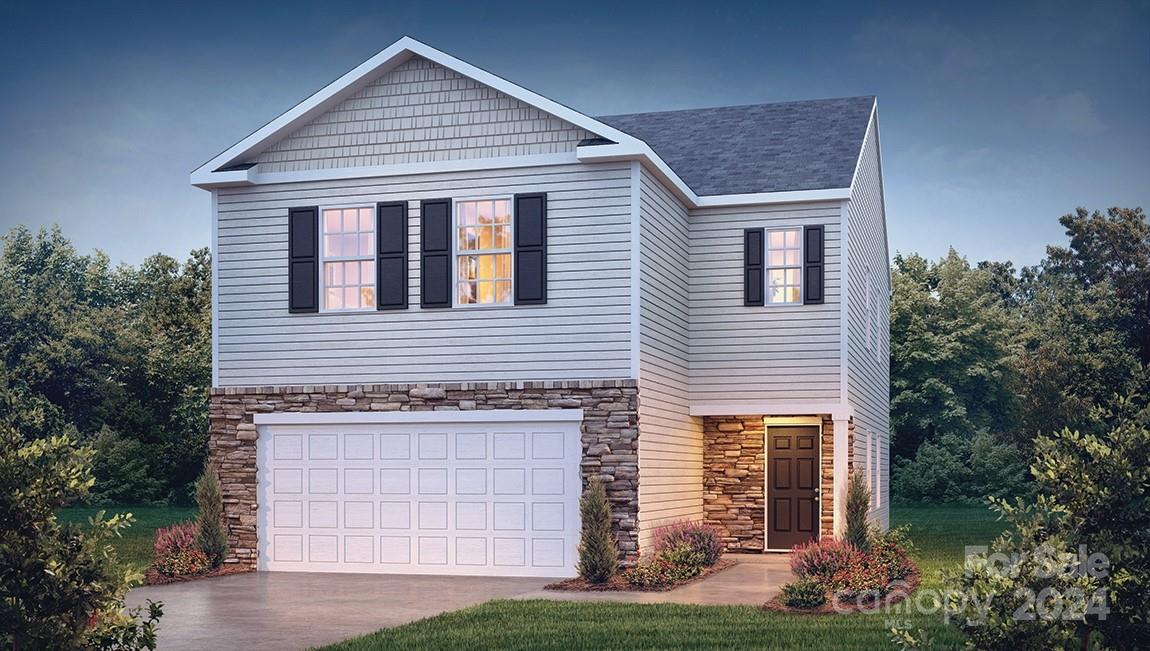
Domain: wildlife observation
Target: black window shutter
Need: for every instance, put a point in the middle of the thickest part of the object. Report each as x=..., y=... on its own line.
x=435, y=253
x=530, y=249
x=303, y=260
x=813, y=262
x=753, y=266
x=391, y=256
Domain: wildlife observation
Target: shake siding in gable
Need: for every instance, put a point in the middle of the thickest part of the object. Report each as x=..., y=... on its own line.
x=583, y=332
x=420, y=112
x=671, y=443
x=771, y=353
x=868, y=366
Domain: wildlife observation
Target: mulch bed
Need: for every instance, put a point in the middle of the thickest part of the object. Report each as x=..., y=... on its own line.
x=846, y=606
x=618, y=584
x=154, y=577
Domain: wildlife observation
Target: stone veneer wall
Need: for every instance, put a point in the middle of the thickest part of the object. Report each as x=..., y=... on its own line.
x=610, y=435
x=734, y=499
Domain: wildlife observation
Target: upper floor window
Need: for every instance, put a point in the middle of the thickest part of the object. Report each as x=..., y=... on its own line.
x=784, y=266
x=483, y=252
x=348, y=259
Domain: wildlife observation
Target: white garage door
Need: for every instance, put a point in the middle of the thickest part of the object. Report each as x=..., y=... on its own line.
x=487, y=492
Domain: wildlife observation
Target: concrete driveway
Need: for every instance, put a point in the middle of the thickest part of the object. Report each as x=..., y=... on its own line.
x=290, y=610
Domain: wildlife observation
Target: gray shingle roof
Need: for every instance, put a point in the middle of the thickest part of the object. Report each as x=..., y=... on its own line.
x=809, y=145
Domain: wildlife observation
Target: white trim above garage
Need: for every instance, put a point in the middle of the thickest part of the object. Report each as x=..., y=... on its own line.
x=387, y=417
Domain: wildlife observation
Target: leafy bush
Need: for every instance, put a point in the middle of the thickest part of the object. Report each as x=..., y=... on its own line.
x=659, y=571
x=857, y=530
x=210, y=521
x=891, y=552
x=859, y=576
x=804, y=593
x=682, y=554
x=955, y=469
x=701, y=538
x=123, y=471
x=177, y=553
x=62, y=586
x=1093, y=495
x=598, y=555
x=821, y=560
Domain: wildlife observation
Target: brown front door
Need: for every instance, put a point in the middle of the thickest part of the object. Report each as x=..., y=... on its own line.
x=792, y=485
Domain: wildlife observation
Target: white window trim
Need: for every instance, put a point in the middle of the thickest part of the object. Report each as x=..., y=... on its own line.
x=456, y=253
x=767, y=267
x=323, y=308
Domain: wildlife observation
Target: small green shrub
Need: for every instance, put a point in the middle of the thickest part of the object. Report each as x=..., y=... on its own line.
x=598, y=555
x=857, y=530
x=820, y=560
x=701, y=538
x=177, y=553
x=684, y=557
x=659, y=572
x=210, y=520
x=891, y=551
x=804, y=593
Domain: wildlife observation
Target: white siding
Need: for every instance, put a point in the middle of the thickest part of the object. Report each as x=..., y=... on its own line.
x=582, y=333
x=772, y=353
x=868, y=366
x=420, y=112
x=671, y=441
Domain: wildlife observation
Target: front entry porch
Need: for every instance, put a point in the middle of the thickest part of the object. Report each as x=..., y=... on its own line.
x=769, y=481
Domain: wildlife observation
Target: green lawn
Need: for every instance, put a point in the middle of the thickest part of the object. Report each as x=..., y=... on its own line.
x=940, y=532
x=135, y=547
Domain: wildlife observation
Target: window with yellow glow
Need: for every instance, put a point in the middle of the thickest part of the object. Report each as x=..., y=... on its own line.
x=483, y=252
x=784, y=266
x=348, y=259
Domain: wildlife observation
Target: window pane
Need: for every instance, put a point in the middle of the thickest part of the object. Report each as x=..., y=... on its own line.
x=466, y=293
x=503, y=266
x=331, y=221
x=503, y=291
x=792, y=258
x=351, y=273
x=365, y=243
x=503, y=211
x=349, y=221
x=466, y=268
x=487, y=267
x=366, y=296
x=484, y=211
x=469, y=239
x=775, y=239
x=367, y=272
x=365, y=220
x=486, y=292
x=486, y=238
x=792, y=239
x=792, y=276
x=503, y=237
x=466, y=213
x=775, y=295
x=776, y=258
x=334, y=273
x=331, y=248
x=776, y=277
x=350, y=244
x=351, y=297
x=793, y=294
x=333, y=299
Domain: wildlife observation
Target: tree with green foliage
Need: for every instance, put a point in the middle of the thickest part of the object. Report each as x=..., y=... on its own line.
x=951, y=351
x=210, y=534
x=953, y=469
x=61, y=584
x=598, y=554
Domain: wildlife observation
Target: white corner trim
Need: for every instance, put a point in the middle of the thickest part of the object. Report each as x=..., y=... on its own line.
x=757, y=407
x=636, y=269
x=840, y=460
x=377, y=417
x=215, y=256
x=862, y=147
x=844, y=301
x=369, y=70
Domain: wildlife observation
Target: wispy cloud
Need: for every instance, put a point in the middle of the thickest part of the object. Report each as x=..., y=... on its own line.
x=1073, y=113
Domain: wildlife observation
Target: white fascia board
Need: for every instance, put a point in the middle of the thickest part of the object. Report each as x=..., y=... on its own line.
x=835, y=410
x=207, y=179
x=367, y=72
x=377, y=417
x=790, y=196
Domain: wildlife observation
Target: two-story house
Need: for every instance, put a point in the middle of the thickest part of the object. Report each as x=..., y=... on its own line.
x=442, y=301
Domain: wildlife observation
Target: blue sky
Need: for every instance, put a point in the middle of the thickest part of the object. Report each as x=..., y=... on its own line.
x=996, y=118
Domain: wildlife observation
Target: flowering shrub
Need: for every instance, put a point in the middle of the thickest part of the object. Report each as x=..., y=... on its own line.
x=659, y=571
x=821, y=560
x=890, y=552
x=176, y=551
x=860, y=576
x=704, y=540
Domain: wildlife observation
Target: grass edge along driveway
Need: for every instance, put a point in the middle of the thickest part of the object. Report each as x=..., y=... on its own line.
x=940, y=532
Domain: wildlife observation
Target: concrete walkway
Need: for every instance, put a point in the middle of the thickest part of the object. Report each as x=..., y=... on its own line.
x=290, y=610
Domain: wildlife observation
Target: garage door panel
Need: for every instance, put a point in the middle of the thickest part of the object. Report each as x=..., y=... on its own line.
x=488, y=498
